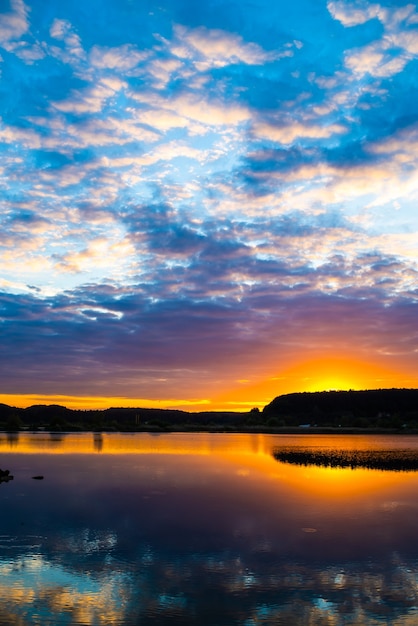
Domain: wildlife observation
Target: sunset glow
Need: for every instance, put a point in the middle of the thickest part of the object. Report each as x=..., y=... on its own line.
x=206, y=205
x=319, y=374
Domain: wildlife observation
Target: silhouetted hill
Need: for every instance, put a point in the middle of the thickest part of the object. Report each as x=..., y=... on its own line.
x=46, y=410
x=380, y=408
x=6, y=411
x=56, y=417
x=377, y=407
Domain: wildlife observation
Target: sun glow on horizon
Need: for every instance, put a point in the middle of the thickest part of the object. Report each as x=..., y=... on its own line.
x=322, y=373
x=100, y=402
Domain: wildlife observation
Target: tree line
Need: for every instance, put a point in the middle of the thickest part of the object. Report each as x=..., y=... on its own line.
x=378, y=409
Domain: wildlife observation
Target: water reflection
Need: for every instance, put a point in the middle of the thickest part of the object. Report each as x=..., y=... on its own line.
x=203, y=529
x=397, y=460
x=98, y=441
x=12, y=439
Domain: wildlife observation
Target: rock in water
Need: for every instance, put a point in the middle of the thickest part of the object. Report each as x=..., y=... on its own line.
x=5, y=475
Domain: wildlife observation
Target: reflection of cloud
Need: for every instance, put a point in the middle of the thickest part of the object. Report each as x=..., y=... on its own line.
x=32, y=583
x=141, y=559
x=177, y=589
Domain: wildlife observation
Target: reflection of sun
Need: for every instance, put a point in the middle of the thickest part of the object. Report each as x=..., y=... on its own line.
x=342, y=484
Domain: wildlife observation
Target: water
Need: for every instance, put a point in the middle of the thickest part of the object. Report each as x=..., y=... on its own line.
x=204, y=529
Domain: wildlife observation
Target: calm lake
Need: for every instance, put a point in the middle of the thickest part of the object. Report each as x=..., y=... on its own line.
x=204, y=529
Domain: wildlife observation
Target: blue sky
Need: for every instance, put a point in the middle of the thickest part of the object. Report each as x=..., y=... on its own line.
x=197, y=196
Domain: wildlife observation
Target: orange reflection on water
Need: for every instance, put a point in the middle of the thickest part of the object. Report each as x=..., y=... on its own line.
x=143, y=443
x=227, y=485
x=343, y=483
x=246, y=455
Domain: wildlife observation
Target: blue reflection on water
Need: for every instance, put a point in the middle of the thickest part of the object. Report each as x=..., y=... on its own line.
x=203, y=540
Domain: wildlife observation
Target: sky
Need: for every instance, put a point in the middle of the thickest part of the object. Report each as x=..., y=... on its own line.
x=206, y=204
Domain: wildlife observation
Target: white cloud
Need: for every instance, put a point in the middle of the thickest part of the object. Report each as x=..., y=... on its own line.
x=59, y=29
x=73, y=52
x=354, y=13
x=113, y=254
x=217, y=48
x=374, y=60
x=161, y=120
x=403, y=144
x=120, y=58
x=15, y=23
x=24, y=136
x=163, y=69
x=406, y=14
x=123, y=130
x=407, y=40
x=196, y=108
x=28, y=53
x=90, y=100
x=388, y=55
x=288, y=133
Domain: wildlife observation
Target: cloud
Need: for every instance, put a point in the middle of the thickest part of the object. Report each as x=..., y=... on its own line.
x=162, y=120
x=73, y=52
x=216, y=48
x=120, y=58
x=15, y=23
x=192, y=192
x=108, y=333
x=55, y=133
x=59, y=29
x=403, y=144
x=30, y=54
x=89, y=100
x=111, y=254
x=289, y=133
x=24, y=136
x=380, y=58
x=103, y=132
x=374, y=60
x=162, y=70
x=405, y=40
x=354, y=13
x=197, y=108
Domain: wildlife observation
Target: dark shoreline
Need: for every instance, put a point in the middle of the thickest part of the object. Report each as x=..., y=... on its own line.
x=219, y=430
x=378, y=411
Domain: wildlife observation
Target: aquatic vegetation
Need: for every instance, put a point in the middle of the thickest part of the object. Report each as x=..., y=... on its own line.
x=401, y=460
